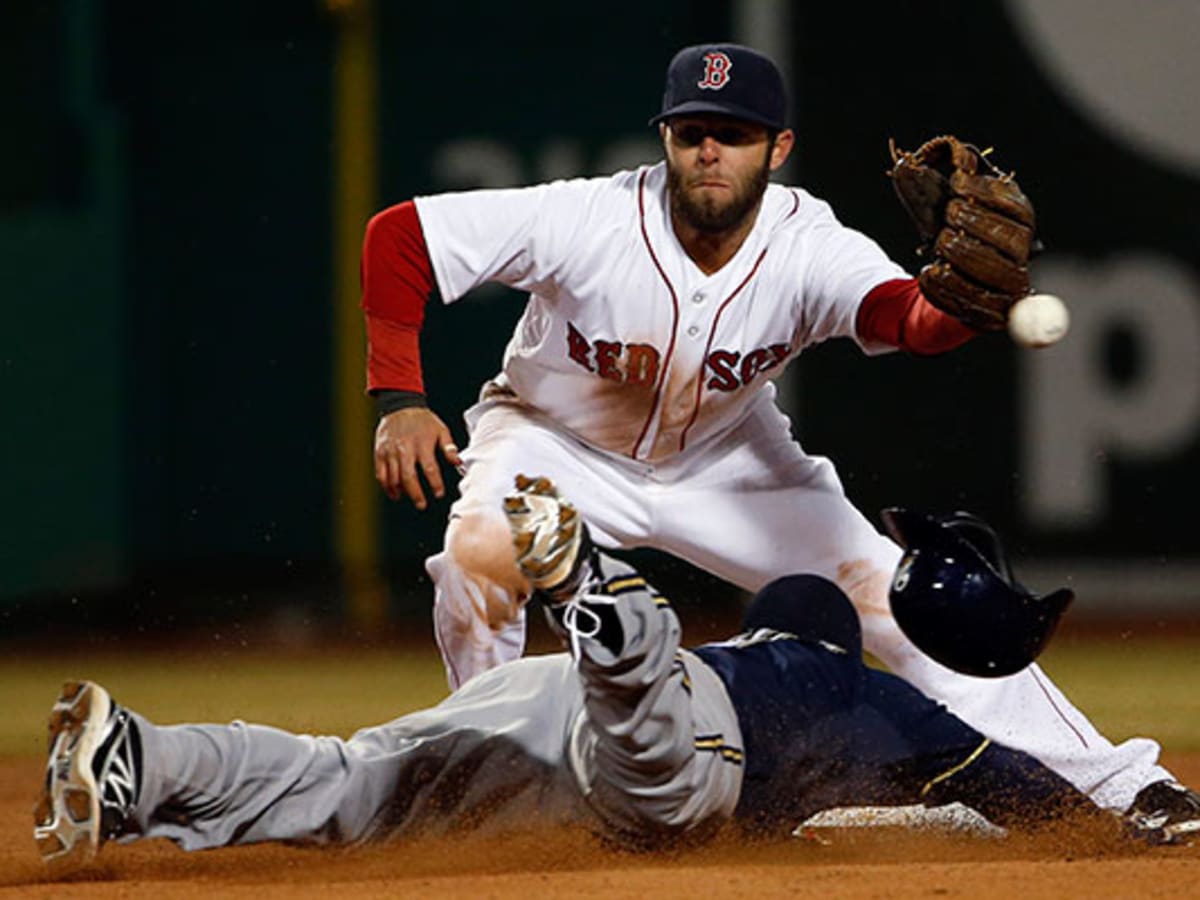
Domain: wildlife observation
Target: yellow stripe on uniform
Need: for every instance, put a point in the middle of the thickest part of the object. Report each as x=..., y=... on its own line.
x=627, y=583
x=686, y=679
x=716, y=743
x=733, y=754
x=618, y=585
x=956, y=769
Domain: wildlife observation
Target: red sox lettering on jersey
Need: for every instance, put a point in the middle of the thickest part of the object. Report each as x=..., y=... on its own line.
x=634, y=364
x=728, y=375
x=624, y=341
x=637, y=364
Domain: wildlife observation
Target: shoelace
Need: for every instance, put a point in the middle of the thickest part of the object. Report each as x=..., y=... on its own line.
x=574, y=609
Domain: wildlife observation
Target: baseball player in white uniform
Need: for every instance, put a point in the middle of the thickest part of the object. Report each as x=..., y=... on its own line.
x=662, y=303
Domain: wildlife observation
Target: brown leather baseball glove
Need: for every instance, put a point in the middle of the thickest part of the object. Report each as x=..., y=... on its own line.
x=975, y=224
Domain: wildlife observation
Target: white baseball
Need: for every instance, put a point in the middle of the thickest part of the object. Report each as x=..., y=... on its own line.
x=1038, y=320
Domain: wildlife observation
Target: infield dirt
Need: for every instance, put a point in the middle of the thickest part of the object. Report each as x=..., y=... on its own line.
x=855, y=863
x=1132, y=683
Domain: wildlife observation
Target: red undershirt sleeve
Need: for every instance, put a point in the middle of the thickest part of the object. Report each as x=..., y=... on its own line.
x=397, y=278
x=896, y=313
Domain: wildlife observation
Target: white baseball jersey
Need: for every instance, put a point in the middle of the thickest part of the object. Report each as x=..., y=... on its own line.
x=625, y=341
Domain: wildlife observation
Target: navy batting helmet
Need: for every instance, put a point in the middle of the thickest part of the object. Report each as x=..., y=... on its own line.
x=809, y=606
x=955, y=597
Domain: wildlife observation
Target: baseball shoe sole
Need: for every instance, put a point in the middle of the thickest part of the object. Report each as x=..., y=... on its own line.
x=67, y=817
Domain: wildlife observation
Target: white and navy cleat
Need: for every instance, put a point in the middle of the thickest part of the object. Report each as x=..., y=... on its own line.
x=93, y=775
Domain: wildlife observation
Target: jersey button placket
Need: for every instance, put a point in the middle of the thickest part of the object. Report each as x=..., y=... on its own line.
x=693, y=330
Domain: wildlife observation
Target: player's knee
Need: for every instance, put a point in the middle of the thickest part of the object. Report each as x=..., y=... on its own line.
x=809, y=606
x=481, y=547
x=476, y=575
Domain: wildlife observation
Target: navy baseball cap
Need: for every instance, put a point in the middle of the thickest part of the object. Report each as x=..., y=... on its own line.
x=724, y=78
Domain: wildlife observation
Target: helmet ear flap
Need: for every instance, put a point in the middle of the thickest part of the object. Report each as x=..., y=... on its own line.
x=1056, y=602
x=955, y=597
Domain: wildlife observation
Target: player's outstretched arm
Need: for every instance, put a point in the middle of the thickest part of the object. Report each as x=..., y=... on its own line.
x=407, y=443
x=397, y=278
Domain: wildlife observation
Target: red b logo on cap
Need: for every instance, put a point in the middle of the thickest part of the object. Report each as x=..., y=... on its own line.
x=716, y=71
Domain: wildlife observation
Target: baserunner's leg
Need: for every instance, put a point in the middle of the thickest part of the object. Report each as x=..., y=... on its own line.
x=658, y=750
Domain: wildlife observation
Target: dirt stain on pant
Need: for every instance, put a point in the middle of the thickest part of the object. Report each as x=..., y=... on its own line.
x=866, y=585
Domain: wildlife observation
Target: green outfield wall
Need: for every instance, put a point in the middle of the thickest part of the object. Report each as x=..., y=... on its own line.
x=167, y=220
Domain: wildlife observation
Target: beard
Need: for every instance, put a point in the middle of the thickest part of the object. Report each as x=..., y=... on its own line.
x=706, y=214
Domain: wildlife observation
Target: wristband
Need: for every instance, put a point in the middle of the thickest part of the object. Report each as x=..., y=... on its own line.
x=389, y=401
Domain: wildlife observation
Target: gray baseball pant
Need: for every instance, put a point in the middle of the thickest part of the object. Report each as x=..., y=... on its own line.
x=642, y=745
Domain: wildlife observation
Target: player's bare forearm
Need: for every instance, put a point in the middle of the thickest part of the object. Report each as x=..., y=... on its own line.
x=407, y=443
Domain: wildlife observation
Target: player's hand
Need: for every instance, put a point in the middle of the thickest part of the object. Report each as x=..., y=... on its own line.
x=407, y=441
